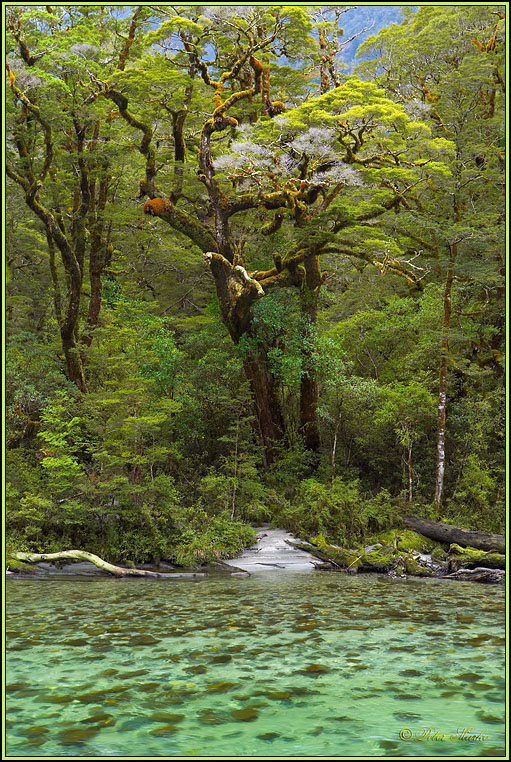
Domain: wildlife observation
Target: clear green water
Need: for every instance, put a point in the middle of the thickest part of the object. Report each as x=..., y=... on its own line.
x=281, y=664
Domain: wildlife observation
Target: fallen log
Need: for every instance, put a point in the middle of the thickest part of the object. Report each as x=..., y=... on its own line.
x=449, y=534
x=83, y=555
x=470, y=558
x=489, y=576
x=378, y=558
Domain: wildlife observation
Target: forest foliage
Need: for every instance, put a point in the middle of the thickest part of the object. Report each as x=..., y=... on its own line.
x=246, y=286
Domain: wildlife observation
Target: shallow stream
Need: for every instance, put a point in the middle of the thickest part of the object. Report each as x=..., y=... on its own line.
x=278, y=664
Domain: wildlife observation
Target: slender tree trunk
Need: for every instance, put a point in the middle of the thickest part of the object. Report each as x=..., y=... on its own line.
x=100, y=250
x=309, y=387
x=442, y=386
x=235, y=480
x=410, y=475
x=309, y=397
x=334, y=446
x=57, y=296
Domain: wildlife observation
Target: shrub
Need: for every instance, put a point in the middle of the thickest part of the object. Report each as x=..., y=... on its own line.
x=207, y=539
x=477, y=503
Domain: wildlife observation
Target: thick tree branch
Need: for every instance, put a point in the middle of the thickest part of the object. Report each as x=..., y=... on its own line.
x=129, y=40
x=33, y=109
x=181, y=222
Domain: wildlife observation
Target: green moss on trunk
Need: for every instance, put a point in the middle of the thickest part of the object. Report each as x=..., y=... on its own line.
x=14, y=565
x=470, y=558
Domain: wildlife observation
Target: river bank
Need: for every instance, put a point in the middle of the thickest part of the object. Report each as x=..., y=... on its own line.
x=397, y=553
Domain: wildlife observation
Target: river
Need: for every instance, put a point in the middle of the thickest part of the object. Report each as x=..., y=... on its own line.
x=276, y=664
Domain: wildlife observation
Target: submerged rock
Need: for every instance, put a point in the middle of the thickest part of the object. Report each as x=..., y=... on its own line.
x=166, y=717
x=247, y=714
x=34, y=732
x=210, y=717
x=164, y=731
x=220, y=687
x=77, y=736
x=314, y=670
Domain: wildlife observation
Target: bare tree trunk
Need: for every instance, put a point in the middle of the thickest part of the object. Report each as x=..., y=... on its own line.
x=309, y=396
x=233, y=504
x=74, y=364
x=444, y=354
x=410, y=475
x=442, y=386
x=82, y=555
x=309, y=387
x=334, y=446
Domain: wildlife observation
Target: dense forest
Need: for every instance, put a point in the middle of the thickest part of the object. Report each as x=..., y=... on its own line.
x=244, y=285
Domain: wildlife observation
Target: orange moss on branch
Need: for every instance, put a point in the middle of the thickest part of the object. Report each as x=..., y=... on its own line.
x=181, y=222
x=262, y=85
x=155, y=206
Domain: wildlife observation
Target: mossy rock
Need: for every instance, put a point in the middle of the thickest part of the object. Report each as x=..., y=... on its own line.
x=19, y=567
x=413, y=568
x=407, y=540
x=384, y=559
x=381, y=560
x=471, y=558
x=438, y=553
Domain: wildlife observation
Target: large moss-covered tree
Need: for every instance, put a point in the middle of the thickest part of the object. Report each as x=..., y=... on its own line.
x=265, y=187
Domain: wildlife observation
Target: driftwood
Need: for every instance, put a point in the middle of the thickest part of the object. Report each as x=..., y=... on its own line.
x=448, y=534
x=82, y=555
x=490, y=576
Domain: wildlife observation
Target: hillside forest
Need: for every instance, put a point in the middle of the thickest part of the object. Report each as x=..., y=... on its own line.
x=244, y=285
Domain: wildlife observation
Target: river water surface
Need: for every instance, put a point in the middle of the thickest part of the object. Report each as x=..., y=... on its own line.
x=278, y=664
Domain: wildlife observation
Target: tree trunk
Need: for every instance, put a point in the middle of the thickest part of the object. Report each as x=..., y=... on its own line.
x=410, y=475
x=448, y=534
x=74, y=364
x=442, y=386
x=268, y=414
x=334, y=446
x=237, y=292
x=82, y=555
x=309, y=387
x=309, y=396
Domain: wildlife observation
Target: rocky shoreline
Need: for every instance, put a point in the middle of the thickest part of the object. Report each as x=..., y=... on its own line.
x=396, y=553
x=45, y=569
x=403, y=553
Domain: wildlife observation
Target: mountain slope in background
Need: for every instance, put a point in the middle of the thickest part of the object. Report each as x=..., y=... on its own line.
x=373, y=18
